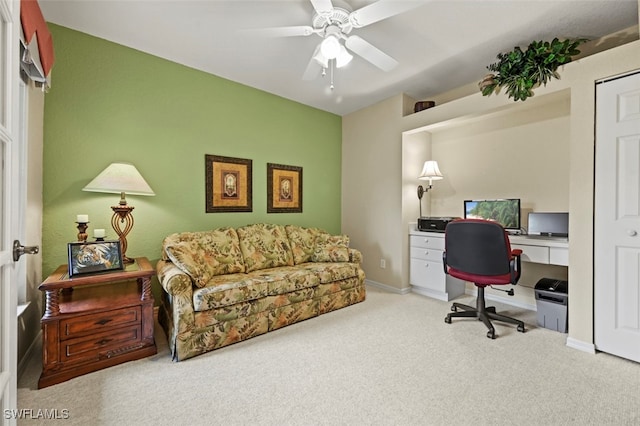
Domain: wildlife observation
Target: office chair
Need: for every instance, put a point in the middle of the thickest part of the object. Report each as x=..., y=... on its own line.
x=479, y=251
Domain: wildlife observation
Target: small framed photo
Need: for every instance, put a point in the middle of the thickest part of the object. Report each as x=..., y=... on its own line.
x=228, y=183
x=284, y=188
x=94, y=257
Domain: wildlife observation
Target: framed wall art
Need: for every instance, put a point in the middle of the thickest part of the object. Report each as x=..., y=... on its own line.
x=94, y=257
x=284, y=189
x=228, y=184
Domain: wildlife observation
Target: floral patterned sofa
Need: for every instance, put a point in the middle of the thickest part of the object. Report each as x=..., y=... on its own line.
x=227, y=285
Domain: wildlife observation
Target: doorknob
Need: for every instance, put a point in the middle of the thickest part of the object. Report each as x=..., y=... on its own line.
x=19, y=250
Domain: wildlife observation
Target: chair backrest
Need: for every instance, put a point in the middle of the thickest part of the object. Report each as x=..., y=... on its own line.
x=480, y=248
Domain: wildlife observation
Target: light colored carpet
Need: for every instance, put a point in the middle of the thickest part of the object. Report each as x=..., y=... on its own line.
x=391, y=360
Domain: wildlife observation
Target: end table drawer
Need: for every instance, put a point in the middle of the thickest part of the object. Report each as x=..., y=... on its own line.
x=96, y=322
x=92, y=347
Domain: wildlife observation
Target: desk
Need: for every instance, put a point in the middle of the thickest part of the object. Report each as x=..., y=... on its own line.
x=426, y=272
x=95, y=321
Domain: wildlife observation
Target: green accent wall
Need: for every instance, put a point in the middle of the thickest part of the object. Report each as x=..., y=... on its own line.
x=111, y=103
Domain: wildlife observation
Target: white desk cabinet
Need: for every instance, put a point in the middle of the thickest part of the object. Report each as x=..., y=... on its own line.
x=426, y=271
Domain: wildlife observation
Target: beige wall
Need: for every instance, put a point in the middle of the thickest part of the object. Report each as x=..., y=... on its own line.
x=371, y=205
x=550, y=167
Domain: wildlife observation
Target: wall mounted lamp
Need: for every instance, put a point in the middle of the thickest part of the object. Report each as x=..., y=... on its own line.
x=430, y=172
x=121, y=178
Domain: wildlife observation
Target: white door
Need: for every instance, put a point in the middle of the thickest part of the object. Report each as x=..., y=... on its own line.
x=9, y=156
x=617, y=218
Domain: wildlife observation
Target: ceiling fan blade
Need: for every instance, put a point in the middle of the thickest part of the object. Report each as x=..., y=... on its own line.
x=370, y=53
x=313, y=67
x=312, y=71
x=382, y=9
x=322, y=7
x=294, y=31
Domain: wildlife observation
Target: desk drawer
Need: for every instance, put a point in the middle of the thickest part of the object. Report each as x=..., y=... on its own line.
x=94, y=323
x=535, y=254
x=559, y=256
x=434, y=255
x=427, y=242
x=427, y=274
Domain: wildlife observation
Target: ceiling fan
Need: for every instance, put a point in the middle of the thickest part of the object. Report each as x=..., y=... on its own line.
x=334, y=25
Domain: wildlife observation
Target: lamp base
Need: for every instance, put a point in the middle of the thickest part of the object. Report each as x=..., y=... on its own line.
x=122, y=223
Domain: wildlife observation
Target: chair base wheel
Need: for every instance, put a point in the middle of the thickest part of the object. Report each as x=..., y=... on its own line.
x=521, y=328
x=447, y=319
x=491, y=334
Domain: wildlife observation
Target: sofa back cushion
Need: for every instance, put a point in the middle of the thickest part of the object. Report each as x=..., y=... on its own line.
x=331, y=248
x=203, y=255
x=303, y=242
x=264, y=246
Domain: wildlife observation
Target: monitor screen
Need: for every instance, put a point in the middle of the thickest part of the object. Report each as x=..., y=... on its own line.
x=506, y=212
x=549, y=224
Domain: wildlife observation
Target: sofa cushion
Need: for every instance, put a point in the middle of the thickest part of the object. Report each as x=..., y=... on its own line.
x=331, y=248
x=226, y=290
x=203, y=255
x=264, y=246
x=329, y=272
x=303, y=242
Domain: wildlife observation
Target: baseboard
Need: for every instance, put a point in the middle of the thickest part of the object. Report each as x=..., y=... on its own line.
x=34, y=346
x=387, y=287
x=581, y=346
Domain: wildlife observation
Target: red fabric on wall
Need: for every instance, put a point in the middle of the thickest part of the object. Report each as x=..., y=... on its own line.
x=33, y=23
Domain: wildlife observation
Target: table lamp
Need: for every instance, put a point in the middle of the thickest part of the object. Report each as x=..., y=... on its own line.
x=121, y=178
x=430, y=172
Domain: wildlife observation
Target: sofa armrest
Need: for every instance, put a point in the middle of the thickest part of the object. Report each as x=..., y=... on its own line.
x=355, y=256
x=179, y=288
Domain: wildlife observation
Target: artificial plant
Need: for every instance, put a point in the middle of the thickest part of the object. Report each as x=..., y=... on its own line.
x=519, y=72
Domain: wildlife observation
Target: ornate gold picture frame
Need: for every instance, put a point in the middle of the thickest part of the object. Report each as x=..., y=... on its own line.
x=284, y=188
x=228, y=183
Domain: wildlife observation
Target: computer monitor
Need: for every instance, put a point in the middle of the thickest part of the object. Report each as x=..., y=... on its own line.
x=505, y=211
x=549, y=224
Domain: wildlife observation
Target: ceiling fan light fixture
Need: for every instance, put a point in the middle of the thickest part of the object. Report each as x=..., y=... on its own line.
x=330, y=47
x=343, y=58
x=320, y=58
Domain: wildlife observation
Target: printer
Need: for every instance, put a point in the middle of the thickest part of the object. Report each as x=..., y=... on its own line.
x=434, y=224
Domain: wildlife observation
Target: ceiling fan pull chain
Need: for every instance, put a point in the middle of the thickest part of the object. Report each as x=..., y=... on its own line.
x=333, y=61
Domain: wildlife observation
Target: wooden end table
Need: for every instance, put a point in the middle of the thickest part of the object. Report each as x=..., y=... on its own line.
x=95, y=321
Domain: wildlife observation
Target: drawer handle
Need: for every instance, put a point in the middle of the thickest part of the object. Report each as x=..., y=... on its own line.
x=103, y=321
x=426, y=240
x=426, y=265
x=426, y=252
x=103, y=342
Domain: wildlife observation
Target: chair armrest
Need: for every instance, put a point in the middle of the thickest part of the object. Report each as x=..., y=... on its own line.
x=179, y=289
x=515, y=265
x=355, y=256
x=173, y=280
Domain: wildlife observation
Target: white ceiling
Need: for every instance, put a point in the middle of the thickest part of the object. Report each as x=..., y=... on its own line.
x=440, y=45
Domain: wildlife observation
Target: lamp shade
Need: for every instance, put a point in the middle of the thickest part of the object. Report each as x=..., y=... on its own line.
x=330, y=47
x=120, y=178
x=430, y=171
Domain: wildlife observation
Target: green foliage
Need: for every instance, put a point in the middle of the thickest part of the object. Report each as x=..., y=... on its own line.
x=519, y=72
x=498, y=211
